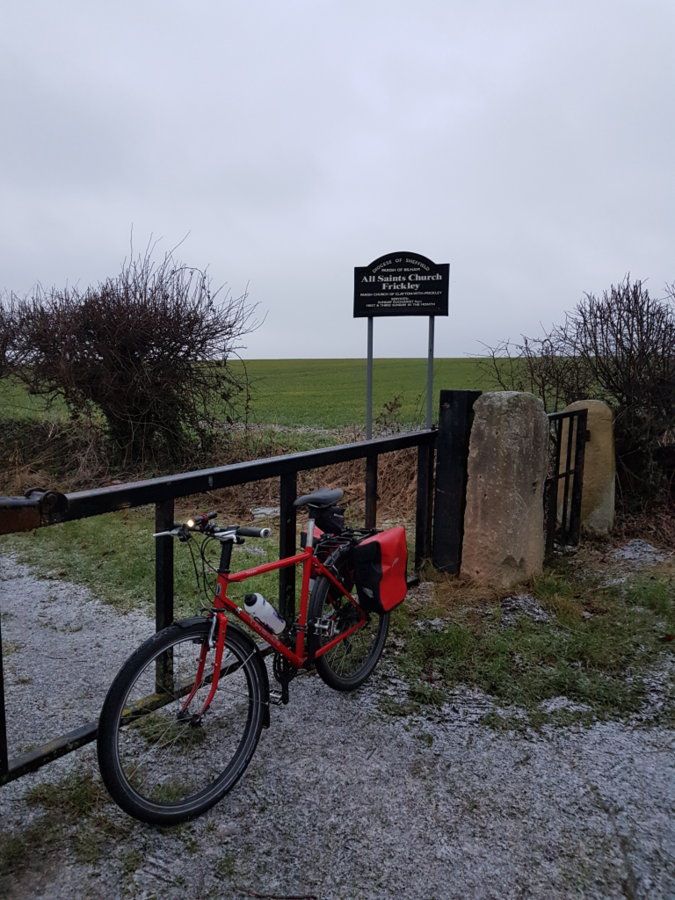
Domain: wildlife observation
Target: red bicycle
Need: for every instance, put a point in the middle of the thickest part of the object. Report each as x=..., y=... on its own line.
x=184, y=714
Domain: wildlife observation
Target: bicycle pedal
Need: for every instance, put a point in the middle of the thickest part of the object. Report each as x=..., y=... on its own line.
x=276, y=698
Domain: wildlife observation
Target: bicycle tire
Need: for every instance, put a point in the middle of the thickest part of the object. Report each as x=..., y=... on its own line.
x=146, y=752
x=350, y=662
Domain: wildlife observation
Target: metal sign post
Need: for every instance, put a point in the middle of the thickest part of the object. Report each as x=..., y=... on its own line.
x=369, y=382
x=430, y=371
x=401, y=284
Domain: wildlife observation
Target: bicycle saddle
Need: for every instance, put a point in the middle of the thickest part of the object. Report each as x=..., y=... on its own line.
x=321, y=498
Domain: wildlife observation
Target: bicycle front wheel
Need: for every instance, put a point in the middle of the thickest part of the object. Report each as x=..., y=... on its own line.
x=349, y=663
x=162, y=763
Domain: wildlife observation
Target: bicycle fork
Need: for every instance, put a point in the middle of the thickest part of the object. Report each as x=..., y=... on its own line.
x=219, y=628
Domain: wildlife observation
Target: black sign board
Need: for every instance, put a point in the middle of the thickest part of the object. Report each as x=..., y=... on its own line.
x=401, y=284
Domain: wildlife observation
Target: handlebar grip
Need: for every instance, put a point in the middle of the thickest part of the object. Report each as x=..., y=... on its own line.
x=253, y=532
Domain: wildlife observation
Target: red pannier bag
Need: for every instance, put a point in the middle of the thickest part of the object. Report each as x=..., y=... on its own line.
x=380, y=564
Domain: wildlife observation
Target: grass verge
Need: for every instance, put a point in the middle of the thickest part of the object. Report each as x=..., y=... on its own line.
x=73, y=819
x=114, y=556
x=77, y=800
x=594, y=649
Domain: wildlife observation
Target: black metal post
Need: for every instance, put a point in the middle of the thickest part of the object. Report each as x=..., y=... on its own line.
x=164, y=516
x=552, y=487
x=550, y=513
x=164, y=521
x=287, y=538
x=424, y=504
x=3, y=724
x=371, y=490
x=454, y=430
x=566, y=479
x=578, y=483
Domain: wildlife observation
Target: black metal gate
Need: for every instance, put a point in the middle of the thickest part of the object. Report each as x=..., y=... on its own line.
x=564, y=484
x=562, y=513
x=41, y=509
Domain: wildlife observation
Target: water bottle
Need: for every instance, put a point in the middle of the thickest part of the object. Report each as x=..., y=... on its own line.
x=264, y=612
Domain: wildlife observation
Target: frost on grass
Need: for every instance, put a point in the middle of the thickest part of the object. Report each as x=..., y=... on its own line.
x=522, y=605
x=639, y=553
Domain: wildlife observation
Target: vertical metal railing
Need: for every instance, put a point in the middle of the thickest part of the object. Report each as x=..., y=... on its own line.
x=424, y=505
x=371, y=490
x=164, y=521
x=288, y=489
x=582, y=436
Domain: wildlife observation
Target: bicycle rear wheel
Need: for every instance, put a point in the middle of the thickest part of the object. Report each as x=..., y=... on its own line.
x=163, y=764
x=351, y=661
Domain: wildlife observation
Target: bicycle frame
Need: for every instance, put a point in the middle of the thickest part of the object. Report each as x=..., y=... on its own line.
x=311, y=567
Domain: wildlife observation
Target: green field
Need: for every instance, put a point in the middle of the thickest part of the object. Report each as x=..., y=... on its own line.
x=323, y=393
x=330, y=393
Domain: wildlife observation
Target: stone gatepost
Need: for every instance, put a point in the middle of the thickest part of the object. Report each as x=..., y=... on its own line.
x=507, y=466
x=597, y=492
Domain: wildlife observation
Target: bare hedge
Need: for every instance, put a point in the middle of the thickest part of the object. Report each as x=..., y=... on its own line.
x=619, y=347
x=147, y=349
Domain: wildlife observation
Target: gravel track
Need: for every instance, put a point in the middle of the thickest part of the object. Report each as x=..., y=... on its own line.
x=341, y=800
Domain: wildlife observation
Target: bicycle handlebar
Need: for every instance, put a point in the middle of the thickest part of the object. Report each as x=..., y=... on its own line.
x=238, y=530
x=244, y=531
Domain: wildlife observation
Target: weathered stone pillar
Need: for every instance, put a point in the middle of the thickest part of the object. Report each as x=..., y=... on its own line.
x=504, y=518
x=597, y=495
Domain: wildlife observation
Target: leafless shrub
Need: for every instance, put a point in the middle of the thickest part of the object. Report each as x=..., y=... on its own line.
x=620, y=348
x=8, y=334
x=388, y=419
x=147, y=350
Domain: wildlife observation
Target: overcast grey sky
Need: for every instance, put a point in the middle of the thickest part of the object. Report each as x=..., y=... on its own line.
x=528, y=143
